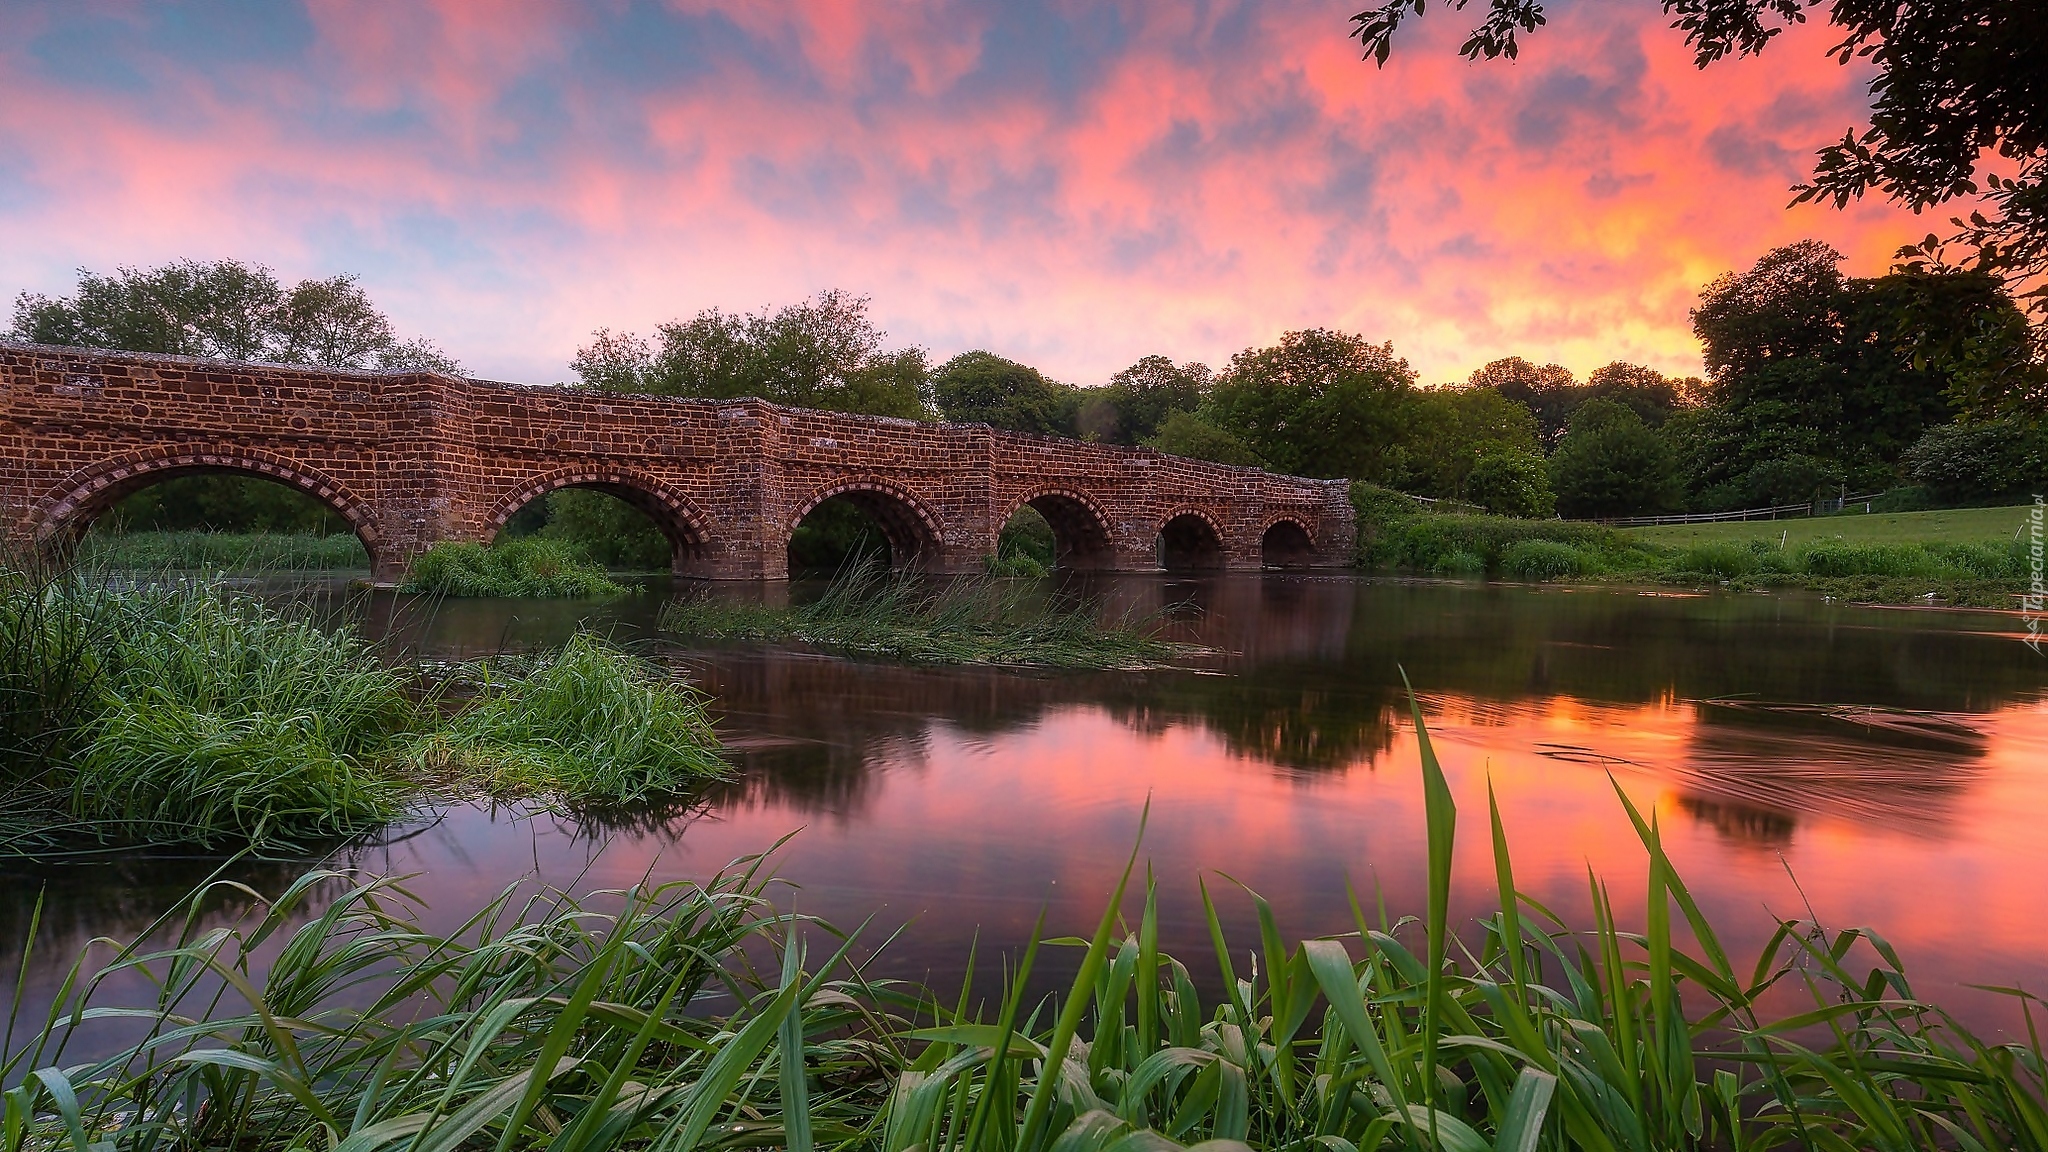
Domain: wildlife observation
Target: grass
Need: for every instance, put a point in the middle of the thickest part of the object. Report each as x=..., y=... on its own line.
x=690, y=1017
x=188, y=714
x=530, y=567
x=587, y=721
x=1882, y=562
x=221, y=551
x=1950, y=526
x=866, y=611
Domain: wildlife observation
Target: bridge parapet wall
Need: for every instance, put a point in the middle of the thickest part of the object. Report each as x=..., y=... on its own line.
x=413, y=458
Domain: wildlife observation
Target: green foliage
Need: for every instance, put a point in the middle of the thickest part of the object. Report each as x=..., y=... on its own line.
x=1544, y=560
x=823, y=353
x=590, y=723
x=1188, y=434
x=1426, y=543
x=1723, y=560
x=968, y=620
x=579, y=1026
x=53, y=633
x=218, y=722
x=982, y=387
x=1138, y=401
x=224, y=502
x=1611, y=464
x=836, y=537
x=1026, y=544
x=1981, y=462
x=1449, y=430
x=607, y=530
x=531, y=567
x=1511, y=482
x=220, y=552
x=1319, y=403
x=226, y=310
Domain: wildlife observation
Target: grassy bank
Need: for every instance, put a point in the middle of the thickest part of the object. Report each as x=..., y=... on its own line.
x=189, y=714
x=970, y=620
x=221, y=552
x=698, y=1016
x=1948, y=526
x=530, y=567
x=1397, y=535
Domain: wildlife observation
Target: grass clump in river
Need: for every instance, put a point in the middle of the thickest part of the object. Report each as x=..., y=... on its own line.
x=868, y=611
x=530, y=567
x=697, y=1016
x=589, y=721
x=190, y=714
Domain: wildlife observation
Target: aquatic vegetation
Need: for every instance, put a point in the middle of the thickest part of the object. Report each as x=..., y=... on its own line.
x=590, y=723
x=193, y=715
x=967, y=620
x=534, y=567
x=1544, y=560
x=691, y=1016
x=221, y=551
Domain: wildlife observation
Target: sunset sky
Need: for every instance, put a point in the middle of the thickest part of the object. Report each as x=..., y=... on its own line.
x=1073, y=185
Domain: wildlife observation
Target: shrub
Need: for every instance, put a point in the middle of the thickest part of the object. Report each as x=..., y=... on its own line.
x=1840, y=558
x=1611, y=464
x=590, y=723
x=1988, y=460
x=531, y=567
x=1726, y=561
x=1511, y=483
x=1543, y=560
x=1990, y=561
x=1459, y=563
x=1422, y=543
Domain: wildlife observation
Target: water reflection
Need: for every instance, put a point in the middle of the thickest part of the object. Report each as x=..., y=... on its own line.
x=1892, y=761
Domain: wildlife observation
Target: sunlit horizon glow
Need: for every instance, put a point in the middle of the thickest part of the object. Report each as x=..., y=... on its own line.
x=1070, y=185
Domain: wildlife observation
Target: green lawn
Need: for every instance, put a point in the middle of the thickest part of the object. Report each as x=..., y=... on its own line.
x=1952, y=526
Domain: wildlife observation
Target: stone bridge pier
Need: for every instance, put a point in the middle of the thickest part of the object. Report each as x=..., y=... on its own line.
x=412, y=459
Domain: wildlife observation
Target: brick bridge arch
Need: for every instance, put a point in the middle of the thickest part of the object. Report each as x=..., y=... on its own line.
x=69, y=507
x=409, y=459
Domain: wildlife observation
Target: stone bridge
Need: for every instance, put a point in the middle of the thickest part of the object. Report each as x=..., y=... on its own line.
x=409, y=459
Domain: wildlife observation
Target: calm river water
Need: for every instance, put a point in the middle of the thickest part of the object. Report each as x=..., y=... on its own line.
x=1867, y=766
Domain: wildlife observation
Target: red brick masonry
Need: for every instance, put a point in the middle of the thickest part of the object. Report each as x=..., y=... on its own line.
x=412, y=458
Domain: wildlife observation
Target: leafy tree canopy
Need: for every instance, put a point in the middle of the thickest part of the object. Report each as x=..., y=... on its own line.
x=823, y=353
x=226, y=310
x=1960, y=87
x=1548, y=390
x=982, y=387
x=1612, y=464
x=1187, y=434
x=1138, y=400
x=1318, y=403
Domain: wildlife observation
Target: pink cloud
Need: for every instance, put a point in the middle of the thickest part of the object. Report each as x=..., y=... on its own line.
x=1077, y=189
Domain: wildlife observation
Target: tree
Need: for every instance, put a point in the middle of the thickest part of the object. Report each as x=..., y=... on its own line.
x=1612, y=464
x=1138, y=400
x=1549, y=391
x=1449, y=430
x=226, y=310
x=1651, y=394
x=1957, y=84
x=1187, y=434
x=823, y=353
x=1319, y=403
x=982, y=387
x=1511, y=482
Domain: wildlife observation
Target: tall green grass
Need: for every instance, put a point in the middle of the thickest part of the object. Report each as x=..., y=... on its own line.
x=189, y=714
x=587, y=722
x=221, y=551
x=535, y=567
x=690, y=1017
x=868, y=611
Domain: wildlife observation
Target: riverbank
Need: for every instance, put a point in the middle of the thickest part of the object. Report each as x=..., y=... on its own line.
x=190, y=714
x=702, y=1014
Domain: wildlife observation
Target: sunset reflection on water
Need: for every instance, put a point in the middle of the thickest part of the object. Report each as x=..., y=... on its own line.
x=1862, y=767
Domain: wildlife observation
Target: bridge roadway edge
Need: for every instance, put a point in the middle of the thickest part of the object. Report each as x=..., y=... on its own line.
x=411, y=459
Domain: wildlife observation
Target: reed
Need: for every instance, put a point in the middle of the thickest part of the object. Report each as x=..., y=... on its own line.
x=531, y=567
x=686, y=1017
x=867, y=611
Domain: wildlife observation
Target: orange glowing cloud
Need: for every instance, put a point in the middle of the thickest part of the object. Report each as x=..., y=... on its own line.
x=1073, y=185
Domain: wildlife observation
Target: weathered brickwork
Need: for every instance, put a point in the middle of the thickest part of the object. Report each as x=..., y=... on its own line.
x=410, y=459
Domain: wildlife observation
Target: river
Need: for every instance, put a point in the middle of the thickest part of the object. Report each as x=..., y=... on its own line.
x=1863, y=766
